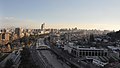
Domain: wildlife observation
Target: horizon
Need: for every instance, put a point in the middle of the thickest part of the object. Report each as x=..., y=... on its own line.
x=87, y=14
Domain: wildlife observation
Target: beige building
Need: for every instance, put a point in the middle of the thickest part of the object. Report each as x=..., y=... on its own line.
x=4, y=38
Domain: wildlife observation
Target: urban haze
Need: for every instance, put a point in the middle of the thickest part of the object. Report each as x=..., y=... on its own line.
x=59, y=34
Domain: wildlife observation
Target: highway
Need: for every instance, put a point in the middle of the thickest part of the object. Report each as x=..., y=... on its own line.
x=36, y=59
x=46, y=58
x=52, y=59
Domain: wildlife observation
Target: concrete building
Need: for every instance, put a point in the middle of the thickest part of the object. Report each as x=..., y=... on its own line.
x=43, y=27
x=79, y=52
x=85, y=51
x=18, y=32
x=3, y=30
x=4, y=37
x=114, y=51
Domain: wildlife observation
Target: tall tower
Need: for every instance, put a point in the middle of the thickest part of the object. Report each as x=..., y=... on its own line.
x=43, y=28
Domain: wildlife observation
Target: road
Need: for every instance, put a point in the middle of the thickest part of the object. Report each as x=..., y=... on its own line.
x=45, y=58
x=36, y=58
x=2, y=63
x=52, y=59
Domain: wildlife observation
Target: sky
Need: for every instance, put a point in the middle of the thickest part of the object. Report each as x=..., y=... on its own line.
x=83, y=14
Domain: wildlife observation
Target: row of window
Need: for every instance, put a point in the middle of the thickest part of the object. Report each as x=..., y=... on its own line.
x=89, y=53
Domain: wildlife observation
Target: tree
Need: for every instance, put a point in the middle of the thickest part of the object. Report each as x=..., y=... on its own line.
x=25, y=53
x=9, y=63
x=91, y=38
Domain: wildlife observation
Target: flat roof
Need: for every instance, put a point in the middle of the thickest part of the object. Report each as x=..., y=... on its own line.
x=90, y=49
x=113, y=47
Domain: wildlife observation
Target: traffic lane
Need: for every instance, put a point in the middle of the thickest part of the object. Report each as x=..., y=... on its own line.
x=52, y=59
x=36, y=58
x=38, y=61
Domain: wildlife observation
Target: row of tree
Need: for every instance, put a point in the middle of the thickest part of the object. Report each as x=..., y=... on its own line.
x=114, y=35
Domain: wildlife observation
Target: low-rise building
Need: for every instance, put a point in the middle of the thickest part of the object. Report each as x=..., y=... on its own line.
x=78, y=51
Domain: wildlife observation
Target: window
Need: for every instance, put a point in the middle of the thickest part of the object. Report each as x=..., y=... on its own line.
x=3, y=36
x=80, y=53
x=93, y=53
x=86, y=53
x=105, y=53
x=99, y=54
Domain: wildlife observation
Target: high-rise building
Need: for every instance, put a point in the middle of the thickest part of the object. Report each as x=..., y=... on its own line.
x=3, y=30
x=4, y=38
x=42, y=26
x=18, y=32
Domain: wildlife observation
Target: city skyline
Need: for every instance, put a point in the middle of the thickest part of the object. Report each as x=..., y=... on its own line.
x=87, y=14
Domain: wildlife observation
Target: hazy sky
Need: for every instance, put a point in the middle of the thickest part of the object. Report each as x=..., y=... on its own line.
x=89, y=14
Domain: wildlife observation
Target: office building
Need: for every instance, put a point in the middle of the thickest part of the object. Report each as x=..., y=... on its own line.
x=18, y=32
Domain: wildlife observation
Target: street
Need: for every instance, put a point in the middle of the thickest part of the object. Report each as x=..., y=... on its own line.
x=46, y=58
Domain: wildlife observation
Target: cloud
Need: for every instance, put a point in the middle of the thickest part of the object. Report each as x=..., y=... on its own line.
x=7, y=22
x=11, y=21
x=98, y=26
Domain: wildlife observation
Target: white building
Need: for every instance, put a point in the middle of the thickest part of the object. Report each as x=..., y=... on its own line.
x=85, y=51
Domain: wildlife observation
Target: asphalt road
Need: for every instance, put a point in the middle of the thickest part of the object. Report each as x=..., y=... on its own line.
x=52, y=59
x=45, y=58
x=36, y=58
